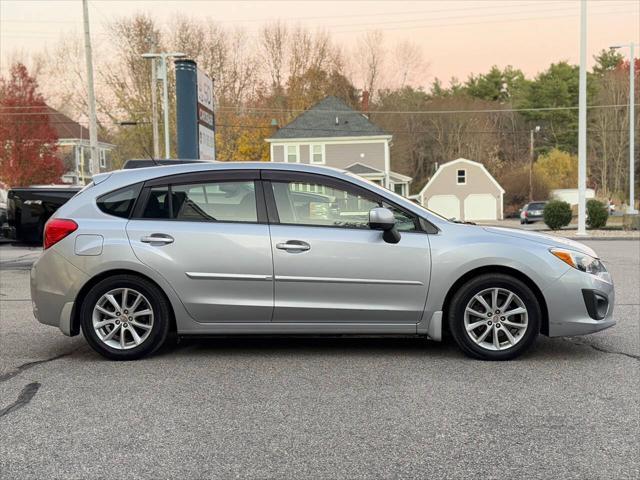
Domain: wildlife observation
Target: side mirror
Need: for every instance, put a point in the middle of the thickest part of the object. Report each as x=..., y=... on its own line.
x=383, y=219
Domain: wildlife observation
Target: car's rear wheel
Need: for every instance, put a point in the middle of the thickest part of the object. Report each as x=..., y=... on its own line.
x=494, y=317
x=125, y=317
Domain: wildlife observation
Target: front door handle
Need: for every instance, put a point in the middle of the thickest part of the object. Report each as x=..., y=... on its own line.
x=294, y=246
x=158, y=239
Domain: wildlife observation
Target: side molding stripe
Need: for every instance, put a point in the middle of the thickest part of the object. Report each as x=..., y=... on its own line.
x=226, y=276
x=369, y=281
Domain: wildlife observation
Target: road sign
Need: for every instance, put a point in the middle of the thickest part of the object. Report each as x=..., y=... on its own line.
x=206, y=123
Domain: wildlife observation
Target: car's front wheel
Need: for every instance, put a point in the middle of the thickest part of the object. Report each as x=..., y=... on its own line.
x=494, y=317
x=125, y=317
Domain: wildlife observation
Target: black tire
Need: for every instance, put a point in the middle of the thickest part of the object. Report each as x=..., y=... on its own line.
x=157, y=301
x=464, y=295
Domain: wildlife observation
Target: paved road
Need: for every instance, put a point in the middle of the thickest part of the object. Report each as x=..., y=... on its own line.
x=319, y=408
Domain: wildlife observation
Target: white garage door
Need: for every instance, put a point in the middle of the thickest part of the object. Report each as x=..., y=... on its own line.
x=446, y=205
x=480, y=206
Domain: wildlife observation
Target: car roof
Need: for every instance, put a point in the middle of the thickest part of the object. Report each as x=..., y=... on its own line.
x=147, y=173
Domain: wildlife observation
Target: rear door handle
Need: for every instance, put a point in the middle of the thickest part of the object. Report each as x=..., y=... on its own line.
x=158, y=239
x=294, y=246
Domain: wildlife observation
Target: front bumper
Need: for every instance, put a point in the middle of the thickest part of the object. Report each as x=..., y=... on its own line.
x=568, y=304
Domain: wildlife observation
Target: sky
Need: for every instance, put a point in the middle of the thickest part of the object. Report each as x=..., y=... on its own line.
x=458, y=38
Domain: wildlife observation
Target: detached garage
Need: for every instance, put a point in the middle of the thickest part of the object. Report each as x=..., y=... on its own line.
x=465, y=190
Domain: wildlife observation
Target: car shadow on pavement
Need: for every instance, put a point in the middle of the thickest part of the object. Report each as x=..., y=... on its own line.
x=544, y=350
x=307, y=345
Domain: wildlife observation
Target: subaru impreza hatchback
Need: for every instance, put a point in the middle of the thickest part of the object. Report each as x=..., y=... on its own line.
x=270, y=248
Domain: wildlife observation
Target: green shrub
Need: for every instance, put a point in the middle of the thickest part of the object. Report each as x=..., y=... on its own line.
x=557, y=214
x=597, y=214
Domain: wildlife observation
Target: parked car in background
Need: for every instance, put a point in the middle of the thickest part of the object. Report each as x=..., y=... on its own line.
x=29, y=208
x=532, y=212
x=3, y=209
x=280, y=248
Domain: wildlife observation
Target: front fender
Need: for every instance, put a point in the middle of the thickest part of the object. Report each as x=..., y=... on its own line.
x=455, y=256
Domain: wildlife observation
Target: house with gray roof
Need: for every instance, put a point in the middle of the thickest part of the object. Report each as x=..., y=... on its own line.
x=332, y=133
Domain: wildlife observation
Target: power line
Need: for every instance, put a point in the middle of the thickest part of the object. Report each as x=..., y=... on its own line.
x=376, y=25
x=508, y=20
x=374, y=112
x=537, y=11
x=323, y=17
x=392, y=131
x=426, y=112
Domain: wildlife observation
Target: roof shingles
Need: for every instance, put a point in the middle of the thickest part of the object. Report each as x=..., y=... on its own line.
x=330, y=117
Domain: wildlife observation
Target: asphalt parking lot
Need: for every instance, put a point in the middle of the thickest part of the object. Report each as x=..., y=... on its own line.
x=319, y=408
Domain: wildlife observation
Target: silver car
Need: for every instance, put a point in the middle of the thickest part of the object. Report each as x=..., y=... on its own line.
x=276, y=248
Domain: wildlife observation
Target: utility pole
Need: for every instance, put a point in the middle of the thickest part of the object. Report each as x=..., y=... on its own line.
x=582, y=122
x=93, y=122
x=163, y=74
x=531, y=158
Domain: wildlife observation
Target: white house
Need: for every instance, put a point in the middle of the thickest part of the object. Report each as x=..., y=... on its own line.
x=465, y=190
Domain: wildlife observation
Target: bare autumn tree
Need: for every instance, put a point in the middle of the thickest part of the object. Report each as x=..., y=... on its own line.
x=609, y=132
x=273, y=41
x=127, y=77
x=370, y=57
x=408, y=65
x=63, y=77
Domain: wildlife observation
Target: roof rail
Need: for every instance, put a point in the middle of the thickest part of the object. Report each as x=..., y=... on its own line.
x=151, y=162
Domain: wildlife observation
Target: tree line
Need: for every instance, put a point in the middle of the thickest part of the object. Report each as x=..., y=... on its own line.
x=264, y=80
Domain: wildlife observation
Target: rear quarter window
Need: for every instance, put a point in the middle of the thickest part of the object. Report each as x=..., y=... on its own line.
x=119, y=203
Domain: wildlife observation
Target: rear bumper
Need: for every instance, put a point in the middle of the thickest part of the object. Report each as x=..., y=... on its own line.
x=55, y=283
x=570, y=304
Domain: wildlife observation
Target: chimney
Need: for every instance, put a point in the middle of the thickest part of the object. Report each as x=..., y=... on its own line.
x=365, y=102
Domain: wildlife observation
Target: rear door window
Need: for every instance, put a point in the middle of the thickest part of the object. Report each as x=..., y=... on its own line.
x=216, y=201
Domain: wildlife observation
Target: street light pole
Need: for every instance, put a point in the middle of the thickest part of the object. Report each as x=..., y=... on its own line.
x=632, y=131
x=154, y=99
x=165, y=105
x=154, y=108
x=582, y=123
x=165, y=91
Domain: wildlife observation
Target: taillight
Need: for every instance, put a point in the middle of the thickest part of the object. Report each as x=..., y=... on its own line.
x=526, y=213
x=56, y=229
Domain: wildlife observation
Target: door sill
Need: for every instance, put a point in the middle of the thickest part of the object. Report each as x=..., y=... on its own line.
x=322, y=328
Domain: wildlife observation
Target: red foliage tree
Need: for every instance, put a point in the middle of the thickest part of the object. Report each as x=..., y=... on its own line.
x=27, y=138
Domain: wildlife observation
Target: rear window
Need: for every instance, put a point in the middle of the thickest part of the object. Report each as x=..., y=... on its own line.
x=537, y=206
x=119, y=203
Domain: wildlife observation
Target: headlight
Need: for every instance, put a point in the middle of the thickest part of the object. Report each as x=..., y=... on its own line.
x=583, y=262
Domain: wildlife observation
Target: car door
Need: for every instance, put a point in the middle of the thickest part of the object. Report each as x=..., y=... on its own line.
x=207, y=235
x=329, y=266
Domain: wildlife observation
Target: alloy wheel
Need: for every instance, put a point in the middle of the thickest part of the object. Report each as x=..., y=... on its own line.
x=122, y=318
x=496, y=319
